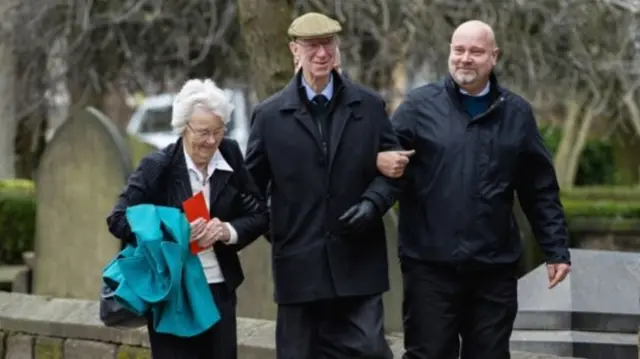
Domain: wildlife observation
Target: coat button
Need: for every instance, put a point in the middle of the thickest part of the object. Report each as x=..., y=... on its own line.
x=321, y=161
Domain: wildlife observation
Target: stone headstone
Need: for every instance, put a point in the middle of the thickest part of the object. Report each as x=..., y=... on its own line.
x=594, y=313
x=255, y=295
x=393, y=298
x=81, y=173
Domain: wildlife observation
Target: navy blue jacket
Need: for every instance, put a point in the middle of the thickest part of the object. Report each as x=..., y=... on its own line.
x=460, y=184
x=311, y=185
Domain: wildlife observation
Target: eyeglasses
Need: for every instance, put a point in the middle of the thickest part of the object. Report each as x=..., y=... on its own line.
x=206, y=133
x=314, y=45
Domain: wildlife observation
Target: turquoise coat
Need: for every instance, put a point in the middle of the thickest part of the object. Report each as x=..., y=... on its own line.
x=160, y=275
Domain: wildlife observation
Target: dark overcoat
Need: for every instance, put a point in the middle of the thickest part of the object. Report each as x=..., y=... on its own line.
x=311, y=186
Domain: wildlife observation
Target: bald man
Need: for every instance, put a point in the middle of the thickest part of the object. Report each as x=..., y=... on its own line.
x=474, y=145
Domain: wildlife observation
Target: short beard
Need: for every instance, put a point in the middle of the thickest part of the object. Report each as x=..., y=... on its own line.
x=464, y=79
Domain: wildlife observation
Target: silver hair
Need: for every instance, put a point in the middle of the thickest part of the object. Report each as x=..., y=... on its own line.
x=197, y=93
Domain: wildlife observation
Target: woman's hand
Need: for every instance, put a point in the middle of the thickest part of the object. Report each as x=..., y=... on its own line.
x=199, y=231
x=220, y=230
x=207, y=233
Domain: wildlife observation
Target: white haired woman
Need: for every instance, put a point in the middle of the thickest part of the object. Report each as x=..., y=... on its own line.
x=202, y=159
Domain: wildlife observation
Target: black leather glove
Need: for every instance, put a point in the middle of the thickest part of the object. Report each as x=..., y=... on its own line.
x=358, y=216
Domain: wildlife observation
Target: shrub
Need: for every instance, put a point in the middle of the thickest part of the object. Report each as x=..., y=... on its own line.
x=17, y=219
x=596, y=165
x=601, y=208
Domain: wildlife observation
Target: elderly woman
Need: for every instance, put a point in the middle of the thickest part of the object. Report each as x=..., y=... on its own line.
x=202, y=159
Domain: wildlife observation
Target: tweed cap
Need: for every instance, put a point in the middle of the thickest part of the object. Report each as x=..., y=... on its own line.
x=313, y=25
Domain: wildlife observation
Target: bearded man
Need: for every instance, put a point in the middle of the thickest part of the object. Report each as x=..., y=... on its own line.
x=471, y=144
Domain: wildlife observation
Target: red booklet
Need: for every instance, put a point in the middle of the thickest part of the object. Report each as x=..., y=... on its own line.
x=194, y=208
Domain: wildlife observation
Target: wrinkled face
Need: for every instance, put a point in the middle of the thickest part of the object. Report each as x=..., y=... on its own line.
x=472, y=56
x=316, y=56
x=202, y=135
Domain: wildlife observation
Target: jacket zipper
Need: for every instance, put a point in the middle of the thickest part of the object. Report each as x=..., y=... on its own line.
x=491, y=108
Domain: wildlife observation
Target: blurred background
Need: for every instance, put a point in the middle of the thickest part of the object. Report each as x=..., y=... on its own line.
x=86, y=88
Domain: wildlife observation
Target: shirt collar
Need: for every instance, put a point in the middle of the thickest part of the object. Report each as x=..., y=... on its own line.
x=482, y=93
x=327, y=92
x=217, y=162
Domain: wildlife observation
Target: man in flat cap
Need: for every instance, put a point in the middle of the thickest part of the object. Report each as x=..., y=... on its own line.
x=314, y=143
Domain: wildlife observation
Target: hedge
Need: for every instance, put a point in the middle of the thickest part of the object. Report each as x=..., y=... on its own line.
x=613, y=193
x=601, y=208
x=17, y=219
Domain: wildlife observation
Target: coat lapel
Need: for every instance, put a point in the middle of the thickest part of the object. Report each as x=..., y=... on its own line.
x=341, y=116
x=293, y=103
x=343, y=113
x=304, y=118
x=179, y=187
x=217, y=184
x=182, y=183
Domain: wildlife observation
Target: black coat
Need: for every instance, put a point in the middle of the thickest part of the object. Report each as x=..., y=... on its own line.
x=461, y=181
x=313, y=257
x=162, y=179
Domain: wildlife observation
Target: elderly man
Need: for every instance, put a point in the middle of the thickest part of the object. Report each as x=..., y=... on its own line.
x=475, y=142
x=315, y=143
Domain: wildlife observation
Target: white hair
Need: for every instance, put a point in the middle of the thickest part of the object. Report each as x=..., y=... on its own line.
x=199, y=94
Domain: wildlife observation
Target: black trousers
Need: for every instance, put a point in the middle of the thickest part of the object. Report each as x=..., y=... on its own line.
x=219, y=342
x=349, y=328
x=445, y=304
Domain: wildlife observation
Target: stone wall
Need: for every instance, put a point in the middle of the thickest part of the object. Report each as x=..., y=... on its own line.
x=39, y=327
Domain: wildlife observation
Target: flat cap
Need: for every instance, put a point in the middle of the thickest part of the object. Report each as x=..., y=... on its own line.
x=313, y=25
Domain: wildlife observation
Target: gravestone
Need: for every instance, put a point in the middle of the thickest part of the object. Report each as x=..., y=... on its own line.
x=255, y=295
x=80, y=175
x=593, y=314
x=393, y=298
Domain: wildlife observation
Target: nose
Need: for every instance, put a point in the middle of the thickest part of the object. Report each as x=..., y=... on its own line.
x=211, y=140
x=321, y=51
x=466, y=57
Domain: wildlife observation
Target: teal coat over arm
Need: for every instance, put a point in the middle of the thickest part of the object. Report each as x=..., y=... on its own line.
x=160, y=276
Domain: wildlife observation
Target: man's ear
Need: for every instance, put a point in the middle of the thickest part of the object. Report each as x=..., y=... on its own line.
x=293, y=48
x=496, y=55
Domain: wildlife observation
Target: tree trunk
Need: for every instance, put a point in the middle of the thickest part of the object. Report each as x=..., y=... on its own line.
x=264, y=25
x=31, y=111
x=582, y=133
x=398, y=86
x=7, y=110
x=563, y=153
x=627, y=144
x=634, y=112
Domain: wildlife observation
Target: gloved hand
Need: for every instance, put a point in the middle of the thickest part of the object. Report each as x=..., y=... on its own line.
x=358, y=216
